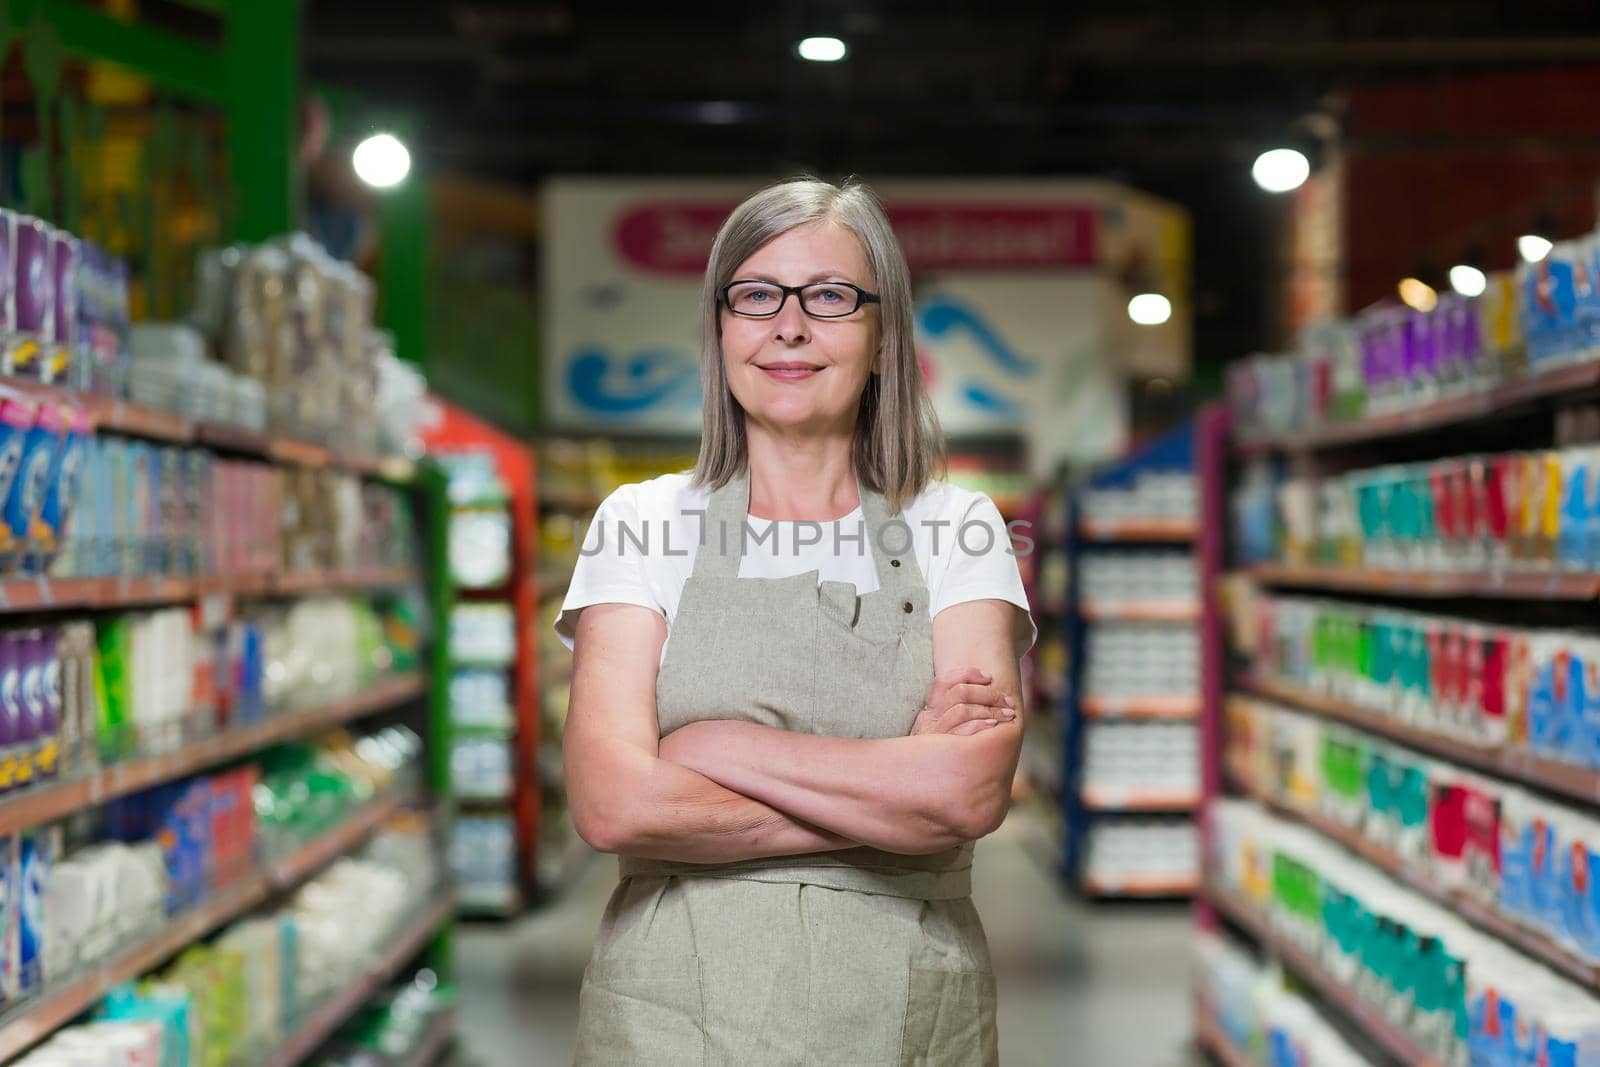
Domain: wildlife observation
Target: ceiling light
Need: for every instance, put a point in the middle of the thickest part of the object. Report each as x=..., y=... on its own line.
x=1418, y=294
x=1467, y=280
x=381, y=161
x=822, y=49
x=1149, y=309
x=1533, y=248
x=1281, y=170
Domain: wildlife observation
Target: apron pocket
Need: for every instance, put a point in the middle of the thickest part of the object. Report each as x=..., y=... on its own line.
x=637, y=1010
x=949, y=1020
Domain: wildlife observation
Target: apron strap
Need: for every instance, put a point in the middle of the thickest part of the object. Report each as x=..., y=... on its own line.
x=890, y=539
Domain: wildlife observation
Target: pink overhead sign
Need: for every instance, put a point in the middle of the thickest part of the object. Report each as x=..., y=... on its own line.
x=665, y=237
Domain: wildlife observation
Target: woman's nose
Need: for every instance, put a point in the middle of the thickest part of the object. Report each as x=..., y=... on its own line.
x=790, y=324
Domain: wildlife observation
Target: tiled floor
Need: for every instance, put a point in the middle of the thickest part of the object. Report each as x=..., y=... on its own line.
x=1096, y=986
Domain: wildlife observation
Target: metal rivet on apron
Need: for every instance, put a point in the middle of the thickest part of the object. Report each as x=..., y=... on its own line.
x=906, y=607
x=894, y=563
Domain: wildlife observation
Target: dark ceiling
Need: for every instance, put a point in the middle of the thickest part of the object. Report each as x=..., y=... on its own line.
x=1175, y=99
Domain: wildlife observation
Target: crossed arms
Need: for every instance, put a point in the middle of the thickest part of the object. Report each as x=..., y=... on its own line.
x=720, y=791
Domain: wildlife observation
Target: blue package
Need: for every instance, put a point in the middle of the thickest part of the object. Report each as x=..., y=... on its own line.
x=37, y=855
x=9, y=876
x=61, y=486
x=1577, y=510
x=23, y=502
x=1542, y=707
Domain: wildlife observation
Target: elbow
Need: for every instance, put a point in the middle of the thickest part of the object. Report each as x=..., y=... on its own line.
x=983, y=813
x=598, y=832
x=603, y=827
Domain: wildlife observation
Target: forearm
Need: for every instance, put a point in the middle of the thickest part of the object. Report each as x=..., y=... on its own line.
x=917, y=794
x=669, y=812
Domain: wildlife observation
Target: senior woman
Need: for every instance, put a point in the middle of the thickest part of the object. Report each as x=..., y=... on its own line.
x=795, y=700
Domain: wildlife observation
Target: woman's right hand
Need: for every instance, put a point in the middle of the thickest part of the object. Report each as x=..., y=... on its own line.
x=963, y=701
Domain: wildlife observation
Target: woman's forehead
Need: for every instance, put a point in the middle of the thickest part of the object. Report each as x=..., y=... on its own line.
x=809, y=249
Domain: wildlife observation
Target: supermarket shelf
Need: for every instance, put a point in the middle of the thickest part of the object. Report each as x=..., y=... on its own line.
x=60, y=594
x=1140, y=610
x=1214, y=1040
x=134, y=420
x=1541, y=946
x=327, y=1019
x=1554, y=776
x=1514, y=585
x=1135, y=530
x=1473, y=407
x=36, y=1019
x=1135, y=886
x=441, y=1035
x=1142, y=800
x=1177, y=707
x=1395, y=1041
x=45, y=802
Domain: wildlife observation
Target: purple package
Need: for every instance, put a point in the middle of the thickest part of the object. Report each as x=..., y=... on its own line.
x=1422, y=355
x=36, y=686
x=10, y=695
x=30, y=704
x=62, y=353
x=8, y=272
x=34, y=296
x=50, y=721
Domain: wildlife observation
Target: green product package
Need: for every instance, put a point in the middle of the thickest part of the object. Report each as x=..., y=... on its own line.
x=114, y=731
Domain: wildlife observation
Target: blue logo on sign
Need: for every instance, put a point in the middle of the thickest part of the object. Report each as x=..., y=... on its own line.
x=648, y=379
x=942, y=318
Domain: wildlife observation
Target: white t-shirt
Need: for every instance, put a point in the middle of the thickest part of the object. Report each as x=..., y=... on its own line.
x=641, y=544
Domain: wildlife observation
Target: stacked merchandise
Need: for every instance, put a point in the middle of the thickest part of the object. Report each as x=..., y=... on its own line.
x=483, y=719
x=186, y=515
x=1135, y=692
x=248, y=992
x=410, y=1024
x=1246, y=1010
x=1446, y=988
x=1419, y=826
x=574, y=477
x=78, y=696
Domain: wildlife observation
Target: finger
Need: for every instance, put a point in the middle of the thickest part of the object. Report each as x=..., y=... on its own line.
x=960, y=713
x=987, y=711
x=957, y=675
x=968, y=693
x=976, y=726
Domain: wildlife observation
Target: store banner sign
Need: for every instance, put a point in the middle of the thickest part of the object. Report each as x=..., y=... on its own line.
x=675, y=238
x=625, y=264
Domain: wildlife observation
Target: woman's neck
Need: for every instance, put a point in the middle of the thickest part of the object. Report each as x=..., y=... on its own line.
x=794, y=478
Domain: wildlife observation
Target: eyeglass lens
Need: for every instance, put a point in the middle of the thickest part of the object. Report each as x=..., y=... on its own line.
x=824, y=299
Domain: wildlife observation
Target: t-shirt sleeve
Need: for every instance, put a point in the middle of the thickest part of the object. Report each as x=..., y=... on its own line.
x=611, y=567
x=980, y=564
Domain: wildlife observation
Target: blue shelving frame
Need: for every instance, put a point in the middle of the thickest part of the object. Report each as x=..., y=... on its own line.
x=1175, y=450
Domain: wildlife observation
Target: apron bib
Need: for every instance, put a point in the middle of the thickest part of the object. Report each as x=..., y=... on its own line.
x=858, y=956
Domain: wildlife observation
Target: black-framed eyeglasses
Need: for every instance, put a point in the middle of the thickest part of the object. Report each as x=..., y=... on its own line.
x=820, y=300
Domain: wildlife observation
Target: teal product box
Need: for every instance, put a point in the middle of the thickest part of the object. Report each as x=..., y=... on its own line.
x=172, y=1011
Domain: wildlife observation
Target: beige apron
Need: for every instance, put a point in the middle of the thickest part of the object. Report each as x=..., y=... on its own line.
x=850, y=957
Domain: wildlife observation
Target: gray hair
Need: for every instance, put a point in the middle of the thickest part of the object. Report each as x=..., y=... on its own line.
x=898, y=446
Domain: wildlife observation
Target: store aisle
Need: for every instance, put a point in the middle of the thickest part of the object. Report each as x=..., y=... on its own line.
x=1078, y=985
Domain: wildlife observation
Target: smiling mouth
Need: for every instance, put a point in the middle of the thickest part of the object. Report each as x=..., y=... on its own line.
x=789, y=372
